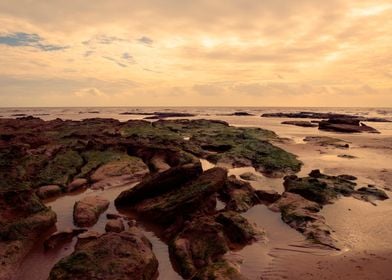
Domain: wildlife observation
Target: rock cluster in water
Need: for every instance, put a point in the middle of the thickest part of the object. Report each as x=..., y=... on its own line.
x=42, y=159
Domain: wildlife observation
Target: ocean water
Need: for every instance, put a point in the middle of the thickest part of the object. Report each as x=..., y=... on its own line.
x=77, y=113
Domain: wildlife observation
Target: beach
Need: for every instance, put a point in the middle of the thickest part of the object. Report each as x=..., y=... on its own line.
x=361, y=228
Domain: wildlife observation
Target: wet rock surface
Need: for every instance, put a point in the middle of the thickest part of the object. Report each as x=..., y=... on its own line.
x=184, y=200
x=23, y=218
x=318, y=115
x=99, y=153
x=238, y=195
x=347, y=125
x=304, y=198
x=301, y=123
x=87, y=211
x=125, y=255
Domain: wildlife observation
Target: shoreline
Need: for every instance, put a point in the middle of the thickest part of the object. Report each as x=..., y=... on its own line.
x=325, y=158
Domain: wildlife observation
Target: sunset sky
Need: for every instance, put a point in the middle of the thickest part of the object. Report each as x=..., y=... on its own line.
x=196, y=53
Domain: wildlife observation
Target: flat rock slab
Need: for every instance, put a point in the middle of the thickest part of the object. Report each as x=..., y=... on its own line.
x=121, y=256
x=87, y=211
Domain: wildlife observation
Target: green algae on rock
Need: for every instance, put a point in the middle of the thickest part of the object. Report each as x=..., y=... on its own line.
x=125, y=255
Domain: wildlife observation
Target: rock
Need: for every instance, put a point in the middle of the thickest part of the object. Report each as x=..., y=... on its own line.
x=240, y=114
x=238, y=195
x=120, y=172
x=23, y=220
x=114, y=226
x=347, y=156
x=159, y=184
x=48, y=191
x=164, y=115
x=125, y=255
x=113, y=216
x=318, y=187
x=326, y=141
x=347, y=125
x=370, y=193
x=61, y=237
x=159, y=164
x=318, y=115
x=347, y=177
x=88, y=236
x=267, y=196
x=87, y=211
x=238, y=229
x=222, y=270
x=249, y=176
x=301, y=214
x=300, y=123
x=191, y=197
x=76, y=184
x=201, y=243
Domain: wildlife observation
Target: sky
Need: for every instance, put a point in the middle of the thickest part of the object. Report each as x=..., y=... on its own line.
x=196, y=53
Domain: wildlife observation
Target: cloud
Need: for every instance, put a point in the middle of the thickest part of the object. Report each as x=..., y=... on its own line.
x=115, y=61
x=103, y=40
x=127, y=57
x=145, y=40
x=89, y=92
x=215, y=52
x=21, y=39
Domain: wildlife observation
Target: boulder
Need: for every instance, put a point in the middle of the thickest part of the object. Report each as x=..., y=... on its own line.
x=370, y=193
x=249, y=176
x=302, y=215
x=61, y=237
x=268, y=196
x=201, y=243
x=347, y=125
x=221, y=270
x=119, y=172
x=114, y=226
x=87, y=211
x=238, y=230
x=238, y=195
x=48, y=191
x=121, y=256
x=76, y=184
x=160, y=183
x=300, y=123
x=318, y=187
x=189, y=198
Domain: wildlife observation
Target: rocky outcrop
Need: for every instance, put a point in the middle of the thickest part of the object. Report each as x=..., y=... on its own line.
x=61, y=237
x=347, y=125
x=76, y=184
x=249, y=176
x=318, y=115
x=300, y=123
x=302, y=215
x=325, y=189
x=125, y=255
x=87, y=211
x=23, y=219
x=238, y=195
x=304, y=197
x=158, y=184
x=120, y=172
x=45, y=192
x=183, y=201
x=222, y=270
x=325, y=141
x=115, y=225
x=199, y=248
